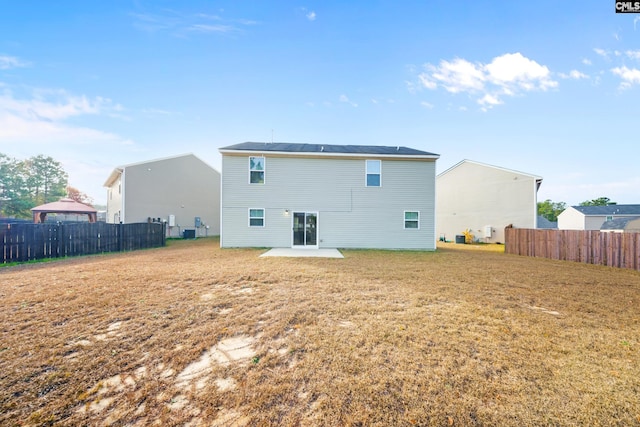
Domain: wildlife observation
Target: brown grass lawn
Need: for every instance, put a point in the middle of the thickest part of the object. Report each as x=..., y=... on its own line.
x=194, y=335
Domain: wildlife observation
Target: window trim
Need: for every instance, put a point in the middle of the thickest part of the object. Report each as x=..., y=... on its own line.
x=264, y=170
x=366, y=173
x=417, y=221
x=263, y=217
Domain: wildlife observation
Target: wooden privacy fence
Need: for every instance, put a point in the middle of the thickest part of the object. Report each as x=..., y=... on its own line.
x=26, y=242
x=588, y=246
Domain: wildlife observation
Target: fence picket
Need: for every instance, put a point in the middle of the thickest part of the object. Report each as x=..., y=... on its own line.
x=21, y=242
x=588, y=246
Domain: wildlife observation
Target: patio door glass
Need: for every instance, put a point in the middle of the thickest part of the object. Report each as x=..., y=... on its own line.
x=305, y=229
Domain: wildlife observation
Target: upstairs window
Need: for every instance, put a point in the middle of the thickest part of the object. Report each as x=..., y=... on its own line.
x=374, y=167
x=256, y=170
x=256, y=217
x=411, y=220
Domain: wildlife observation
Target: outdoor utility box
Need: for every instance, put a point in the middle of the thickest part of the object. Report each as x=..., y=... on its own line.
x=487, y=231
x=188, y=234
x=172, y=220
x=459, y=238
x=198, y=222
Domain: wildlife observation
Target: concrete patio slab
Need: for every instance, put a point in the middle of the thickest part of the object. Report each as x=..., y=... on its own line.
x=295, y=253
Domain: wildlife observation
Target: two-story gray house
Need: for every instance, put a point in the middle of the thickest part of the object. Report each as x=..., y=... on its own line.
x=327, y=196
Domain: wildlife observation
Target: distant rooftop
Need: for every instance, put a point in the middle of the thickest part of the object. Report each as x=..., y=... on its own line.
x=285, y=147
x=617, y=223
x=609, y=210
x=545, y=223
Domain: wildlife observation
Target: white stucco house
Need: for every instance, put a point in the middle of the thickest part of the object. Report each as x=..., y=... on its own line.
x=182, y=190
x=593, y=217
x=327, y=196
x=484, y=199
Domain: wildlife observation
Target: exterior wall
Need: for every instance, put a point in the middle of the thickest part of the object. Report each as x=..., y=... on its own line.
x=594, y=222
x=633, y=226
x=350, y=215
x=114, y=202
x=474, y=196
x=184, y=186
x=572, y=219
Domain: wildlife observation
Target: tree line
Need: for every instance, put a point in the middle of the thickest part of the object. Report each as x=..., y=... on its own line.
x=550, y=210
x=28, y=183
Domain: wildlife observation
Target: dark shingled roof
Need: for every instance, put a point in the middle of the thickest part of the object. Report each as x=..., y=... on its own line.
x=617, y=223
x=609, y=210
x=285, y=147
x=545, y=223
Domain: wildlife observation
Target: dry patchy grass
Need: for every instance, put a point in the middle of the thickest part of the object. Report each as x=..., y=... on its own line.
x=194, y=335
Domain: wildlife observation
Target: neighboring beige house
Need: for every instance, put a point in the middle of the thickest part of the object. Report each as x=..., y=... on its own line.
x=593, y=217
x=183, y=190
x=327, y=196
x=484, y=199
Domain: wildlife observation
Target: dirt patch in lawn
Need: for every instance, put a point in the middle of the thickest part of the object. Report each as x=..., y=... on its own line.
x=194, y=335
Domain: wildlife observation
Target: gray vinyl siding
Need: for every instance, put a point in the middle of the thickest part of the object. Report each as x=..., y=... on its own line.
x=183, y=186
x=350, y=214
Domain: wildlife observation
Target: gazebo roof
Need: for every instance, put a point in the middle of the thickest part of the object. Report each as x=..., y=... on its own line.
x=64, y=206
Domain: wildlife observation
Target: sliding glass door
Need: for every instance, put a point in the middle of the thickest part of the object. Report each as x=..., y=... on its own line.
x=305, y=229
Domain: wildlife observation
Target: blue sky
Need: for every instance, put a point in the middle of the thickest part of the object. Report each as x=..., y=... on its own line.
x=548, y=88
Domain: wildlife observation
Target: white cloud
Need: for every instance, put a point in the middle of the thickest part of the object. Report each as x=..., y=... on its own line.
x=426, y=81
x=456, y=76
x=489, y=100
x=208, y=28
x=510, y=74
x=513, y=69
x=629, y=76
x=601, y=52
x=574, y=74
x=41, y=117
x=44, y=121
x=179, y=25
x=345, y=99
x=52, y=105
x=427, y=105
x=586, y=61
x=7, y=62
x=311, y=16
x=633, y=54
x=635, y=21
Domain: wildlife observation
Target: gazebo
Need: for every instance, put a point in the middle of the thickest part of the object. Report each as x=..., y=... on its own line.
x=63, y=206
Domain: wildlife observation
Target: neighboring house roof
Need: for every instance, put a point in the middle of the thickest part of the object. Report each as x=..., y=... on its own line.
x=489, y=166
x=617, y=223
x=608, y=210
x=545, y=223
x=328, y=149
x=119, y=169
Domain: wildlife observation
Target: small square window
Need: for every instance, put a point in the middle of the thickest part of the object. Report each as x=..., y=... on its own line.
x=256, y=170
x=374, y=173
x=411, y=220
x=256, y=217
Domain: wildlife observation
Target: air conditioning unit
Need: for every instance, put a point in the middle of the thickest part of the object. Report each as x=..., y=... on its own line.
x=487, y=231
x=172, y=221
